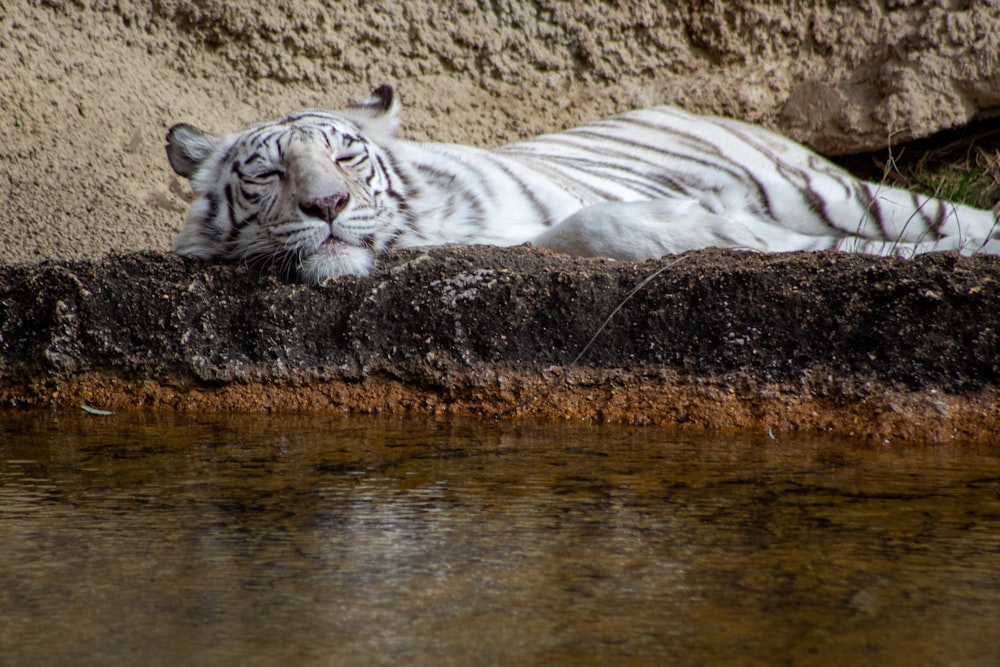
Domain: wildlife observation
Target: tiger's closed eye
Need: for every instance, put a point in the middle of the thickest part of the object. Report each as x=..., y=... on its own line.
x=263, y=177
x=352, y=159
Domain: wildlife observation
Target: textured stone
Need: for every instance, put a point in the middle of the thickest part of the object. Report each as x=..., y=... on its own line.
x=879, y=348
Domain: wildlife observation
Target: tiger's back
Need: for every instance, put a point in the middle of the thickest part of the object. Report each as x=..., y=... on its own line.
x=791, y=197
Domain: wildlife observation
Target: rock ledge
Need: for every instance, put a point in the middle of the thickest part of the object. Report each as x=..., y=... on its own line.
x=875, y=348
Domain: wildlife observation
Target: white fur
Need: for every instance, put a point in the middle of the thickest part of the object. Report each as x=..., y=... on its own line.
x=645, y=230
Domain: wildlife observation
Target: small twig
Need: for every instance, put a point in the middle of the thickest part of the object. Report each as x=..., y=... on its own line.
x=607, y=320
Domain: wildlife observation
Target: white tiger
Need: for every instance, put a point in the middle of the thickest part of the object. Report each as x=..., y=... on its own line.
x=325, y=193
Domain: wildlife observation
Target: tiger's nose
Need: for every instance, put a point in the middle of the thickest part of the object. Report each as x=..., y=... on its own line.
x=325, y=208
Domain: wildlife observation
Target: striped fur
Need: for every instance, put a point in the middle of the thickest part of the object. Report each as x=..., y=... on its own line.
x=325, y=193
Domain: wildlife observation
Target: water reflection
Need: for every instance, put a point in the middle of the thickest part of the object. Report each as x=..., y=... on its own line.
x=134, y=539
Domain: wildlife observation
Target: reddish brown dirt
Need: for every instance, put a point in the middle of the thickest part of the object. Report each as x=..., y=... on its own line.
x=880, y=415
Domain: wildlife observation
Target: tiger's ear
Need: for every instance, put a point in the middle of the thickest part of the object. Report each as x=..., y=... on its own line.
x=187, y=147
x=379, y=114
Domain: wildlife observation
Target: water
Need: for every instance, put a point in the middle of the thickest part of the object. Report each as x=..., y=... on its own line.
x=145, y=540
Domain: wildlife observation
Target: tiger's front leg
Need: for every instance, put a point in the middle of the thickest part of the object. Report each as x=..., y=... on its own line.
x=641, y=230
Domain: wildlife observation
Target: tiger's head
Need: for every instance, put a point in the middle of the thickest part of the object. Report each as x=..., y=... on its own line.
x=311, y=191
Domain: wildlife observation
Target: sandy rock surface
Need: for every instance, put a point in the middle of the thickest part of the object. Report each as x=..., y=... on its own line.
x=88, y=88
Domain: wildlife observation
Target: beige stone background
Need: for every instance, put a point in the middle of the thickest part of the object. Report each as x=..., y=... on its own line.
x=88, y=88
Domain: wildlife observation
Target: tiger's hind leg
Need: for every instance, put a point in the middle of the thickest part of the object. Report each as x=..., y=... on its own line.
x=643, y=230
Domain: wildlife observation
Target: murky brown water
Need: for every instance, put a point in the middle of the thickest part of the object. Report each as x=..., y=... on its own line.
x=325, y=541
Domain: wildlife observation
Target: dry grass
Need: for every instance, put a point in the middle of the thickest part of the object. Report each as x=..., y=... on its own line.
x=973, y=179
x=961, y=166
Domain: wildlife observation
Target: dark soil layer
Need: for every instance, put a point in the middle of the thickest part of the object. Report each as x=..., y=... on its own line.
x=883, y=349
